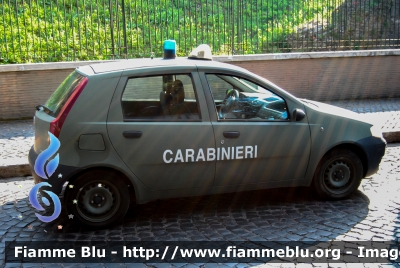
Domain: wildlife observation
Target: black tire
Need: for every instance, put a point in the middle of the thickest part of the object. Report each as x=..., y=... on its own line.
x=338, y=174
x=97, y=199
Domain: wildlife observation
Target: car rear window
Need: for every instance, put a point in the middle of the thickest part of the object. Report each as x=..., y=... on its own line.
x=63, y=92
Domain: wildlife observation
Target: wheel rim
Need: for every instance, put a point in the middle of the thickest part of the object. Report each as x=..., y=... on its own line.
x=98, y=201
x=338, y=176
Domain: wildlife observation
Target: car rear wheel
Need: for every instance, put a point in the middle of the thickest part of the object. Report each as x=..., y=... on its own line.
x=338, y=174
x=97, y=199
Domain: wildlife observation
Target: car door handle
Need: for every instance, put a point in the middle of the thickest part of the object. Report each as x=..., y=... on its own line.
x=231, y=134
x=132, y=134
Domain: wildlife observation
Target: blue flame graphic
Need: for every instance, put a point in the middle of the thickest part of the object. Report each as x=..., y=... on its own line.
x=44, y=156
x=35, y=202
x=51, y=166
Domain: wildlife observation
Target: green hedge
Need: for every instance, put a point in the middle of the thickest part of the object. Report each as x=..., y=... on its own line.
x=67, y=30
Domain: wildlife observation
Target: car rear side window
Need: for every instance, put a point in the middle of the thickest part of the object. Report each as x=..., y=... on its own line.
x=63, y=92
x=164, y=97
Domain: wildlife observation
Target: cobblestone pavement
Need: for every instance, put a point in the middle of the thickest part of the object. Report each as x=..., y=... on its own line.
x=286, y=214
x=383, y=112
x=16, y=137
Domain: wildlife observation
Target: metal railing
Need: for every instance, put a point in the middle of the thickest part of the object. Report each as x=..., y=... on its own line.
x=69, y=30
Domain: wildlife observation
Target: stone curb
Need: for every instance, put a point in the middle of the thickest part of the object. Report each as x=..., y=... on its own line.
x=392, y=137
x=21, y=170
x=221, y=58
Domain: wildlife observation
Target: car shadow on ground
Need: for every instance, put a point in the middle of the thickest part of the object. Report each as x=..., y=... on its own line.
x=279, y=215
x=285, y=214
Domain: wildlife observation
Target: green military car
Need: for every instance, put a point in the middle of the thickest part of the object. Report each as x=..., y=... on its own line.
x=139, y=130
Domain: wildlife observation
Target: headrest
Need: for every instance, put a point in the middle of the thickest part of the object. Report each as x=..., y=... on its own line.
x=178, y=91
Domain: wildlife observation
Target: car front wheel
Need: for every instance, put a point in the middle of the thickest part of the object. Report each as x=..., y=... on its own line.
x=338, y=174
x=97, y=199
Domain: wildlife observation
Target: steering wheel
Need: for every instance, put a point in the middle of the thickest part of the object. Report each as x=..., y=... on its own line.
x=231, y=98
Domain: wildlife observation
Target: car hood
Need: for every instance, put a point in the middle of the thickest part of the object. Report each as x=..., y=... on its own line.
x=337, y=111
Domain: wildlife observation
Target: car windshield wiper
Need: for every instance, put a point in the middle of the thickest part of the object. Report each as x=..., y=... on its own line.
x=46, y=109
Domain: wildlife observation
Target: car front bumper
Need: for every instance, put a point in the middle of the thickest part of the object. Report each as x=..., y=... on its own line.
x=374, y=149
x=59, y=177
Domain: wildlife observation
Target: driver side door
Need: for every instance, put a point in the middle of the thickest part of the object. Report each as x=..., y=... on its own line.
x=257, y=140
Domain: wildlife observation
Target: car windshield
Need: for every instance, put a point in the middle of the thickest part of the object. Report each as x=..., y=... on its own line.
x=251, y=87
x=63, y=92
x=245, y=85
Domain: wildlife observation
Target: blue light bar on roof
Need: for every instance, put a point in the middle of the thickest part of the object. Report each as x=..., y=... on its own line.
x=169, y=49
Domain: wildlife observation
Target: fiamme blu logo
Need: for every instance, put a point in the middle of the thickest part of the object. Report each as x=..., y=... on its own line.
x=45, y=166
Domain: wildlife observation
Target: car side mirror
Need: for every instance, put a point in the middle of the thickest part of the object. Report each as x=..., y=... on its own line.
x=298, y=114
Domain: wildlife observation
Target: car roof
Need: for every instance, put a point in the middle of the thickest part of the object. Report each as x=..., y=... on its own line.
x=130, y=64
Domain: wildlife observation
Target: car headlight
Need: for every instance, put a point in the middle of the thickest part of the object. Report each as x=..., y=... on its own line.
x=376, y=131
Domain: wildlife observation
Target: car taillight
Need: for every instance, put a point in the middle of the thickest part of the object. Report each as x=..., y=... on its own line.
x=57, y=123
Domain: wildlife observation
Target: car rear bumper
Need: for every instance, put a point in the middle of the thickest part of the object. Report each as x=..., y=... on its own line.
x=59, y=177
x=374, y=149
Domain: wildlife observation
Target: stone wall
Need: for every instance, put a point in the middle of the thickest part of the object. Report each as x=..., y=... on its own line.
x=24, y=86
x=333, y=78
x=316, y=75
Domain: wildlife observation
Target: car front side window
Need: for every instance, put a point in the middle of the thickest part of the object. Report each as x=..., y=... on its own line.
x=238, y=98
x=164, y=97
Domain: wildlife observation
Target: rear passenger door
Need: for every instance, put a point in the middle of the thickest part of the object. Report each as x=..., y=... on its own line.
x=162, y=131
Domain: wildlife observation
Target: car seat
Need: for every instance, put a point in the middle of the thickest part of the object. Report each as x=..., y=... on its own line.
x=177, y=105
x=166, y=98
